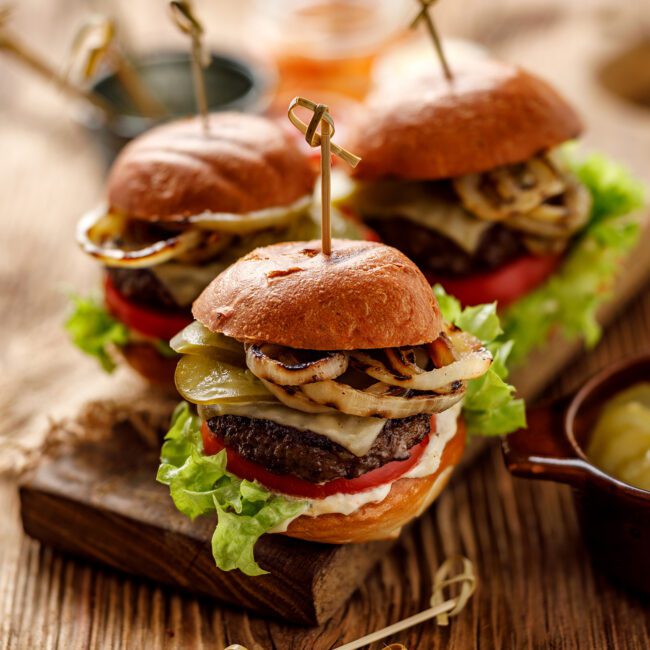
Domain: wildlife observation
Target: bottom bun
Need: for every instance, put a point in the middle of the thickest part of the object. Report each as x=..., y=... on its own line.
x=408, y=498
x=153, y=366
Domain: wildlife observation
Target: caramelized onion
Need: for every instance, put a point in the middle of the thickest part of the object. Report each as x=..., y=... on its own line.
x=95, y=228
x=244, y=223
x=378, y=401
x=279, y=365
x=469, y=365
x=295, y=399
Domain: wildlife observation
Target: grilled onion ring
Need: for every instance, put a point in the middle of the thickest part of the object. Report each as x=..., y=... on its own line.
x=244, y=223
x=295, y=399
x=375, y=401
x=97, y=222
x=263, y=366
x=469, y=366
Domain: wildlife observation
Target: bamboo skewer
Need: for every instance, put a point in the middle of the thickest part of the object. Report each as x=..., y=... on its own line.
x=424, y=15
x=184, y=18
x=323, y=140
x=95, y=40
x=13, y=46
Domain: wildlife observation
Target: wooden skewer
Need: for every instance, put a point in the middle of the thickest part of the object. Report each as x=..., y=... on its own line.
x=326, y=186
x=323, y=140
x=10, y=44
x=95, y=41
x=186, y=21
x=424, y=15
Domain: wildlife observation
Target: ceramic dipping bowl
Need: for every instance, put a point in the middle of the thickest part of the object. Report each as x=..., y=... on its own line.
x=614, y=517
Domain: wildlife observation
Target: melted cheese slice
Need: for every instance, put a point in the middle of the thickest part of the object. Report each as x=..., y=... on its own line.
x=422, y=204
x=356, y=434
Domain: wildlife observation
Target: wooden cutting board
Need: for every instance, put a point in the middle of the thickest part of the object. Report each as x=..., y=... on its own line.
x=99, y=500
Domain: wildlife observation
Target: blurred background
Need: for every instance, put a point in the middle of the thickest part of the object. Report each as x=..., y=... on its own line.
x=56, y=147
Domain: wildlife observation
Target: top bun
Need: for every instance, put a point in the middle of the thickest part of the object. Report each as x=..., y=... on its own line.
x=244, y=163
x=364, y=295
x=490, y=114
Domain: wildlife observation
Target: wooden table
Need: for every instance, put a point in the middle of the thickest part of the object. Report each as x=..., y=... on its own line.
x=537, y=588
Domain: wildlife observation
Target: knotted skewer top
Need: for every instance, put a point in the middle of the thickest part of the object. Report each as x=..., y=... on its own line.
x=321, y=139
x=310, y=131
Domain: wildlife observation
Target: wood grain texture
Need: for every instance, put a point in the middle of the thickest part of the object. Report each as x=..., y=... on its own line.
x=98, y=500
x=537, y=587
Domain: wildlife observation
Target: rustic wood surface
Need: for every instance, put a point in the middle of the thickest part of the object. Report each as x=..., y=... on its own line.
x=95, y=498
x=537, y=586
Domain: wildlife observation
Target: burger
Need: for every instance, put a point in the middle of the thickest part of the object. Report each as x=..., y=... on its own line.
x=327, y=398
x=471, y=179
x=182, y=205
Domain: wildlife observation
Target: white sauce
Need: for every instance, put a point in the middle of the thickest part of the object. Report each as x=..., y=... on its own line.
x=356, y=434
x=428, y=464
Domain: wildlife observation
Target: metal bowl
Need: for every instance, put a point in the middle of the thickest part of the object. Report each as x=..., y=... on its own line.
x=231, y=84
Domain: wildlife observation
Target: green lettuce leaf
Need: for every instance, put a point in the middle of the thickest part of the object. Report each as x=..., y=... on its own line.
x=200, y=484
x=489, y=407
x=94, y=331
x=569, y=301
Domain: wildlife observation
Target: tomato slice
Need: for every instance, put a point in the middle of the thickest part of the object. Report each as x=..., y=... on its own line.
x=147, y=321
x=298, y=487
x=504, y=284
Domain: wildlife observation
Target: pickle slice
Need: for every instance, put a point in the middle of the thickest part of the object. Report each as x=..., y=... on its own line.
x=196, y=339
x=203, y=379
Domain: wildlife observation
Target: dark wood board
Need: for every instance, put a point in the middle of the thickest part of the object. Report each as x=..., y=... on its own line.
x=98, y=500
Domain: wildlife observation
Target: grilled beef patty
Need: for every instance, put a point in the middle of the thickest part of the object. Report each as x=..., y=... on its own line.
x=435, y=253
x=142, y=287
x=311, y=456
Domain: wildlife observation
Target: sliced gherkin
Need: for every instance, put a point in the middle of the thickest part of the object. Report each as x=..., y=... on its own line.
x=204, y=379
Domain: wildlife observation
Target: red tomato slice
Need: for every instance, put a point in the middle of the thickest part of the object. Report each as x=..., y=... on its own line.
x=147, y=321
x=504, y=284
x=295, y=486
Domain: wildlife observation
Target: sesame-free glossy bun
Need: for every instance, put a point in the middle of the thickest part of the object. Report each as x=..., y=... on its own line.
x=364, y=295
x=407, y=499
x=245, y=163
x=428, y=128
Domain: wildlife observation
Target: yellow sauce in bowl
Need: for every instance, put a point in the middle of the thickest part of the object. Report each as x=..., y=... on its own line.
x=620, y=442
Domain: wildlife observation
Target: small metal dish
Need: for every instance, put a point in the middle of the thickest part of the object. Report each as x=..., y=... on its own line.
x=231, y=84
x=614, y=516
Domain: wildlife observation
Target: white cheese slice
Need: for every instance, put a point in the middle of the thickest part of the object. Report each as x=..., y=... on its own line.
x=356, y=434
x=346, y=504
x=422, y=204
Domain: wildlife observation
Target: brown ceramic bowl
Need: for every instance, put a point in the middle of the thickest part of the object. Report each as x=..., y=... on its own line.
x=614, y=516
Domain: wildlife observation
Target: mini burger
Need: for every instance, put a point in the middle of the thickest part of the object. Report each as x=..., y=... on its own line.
x=470, y=179
x=182, y=205
x=324, y=398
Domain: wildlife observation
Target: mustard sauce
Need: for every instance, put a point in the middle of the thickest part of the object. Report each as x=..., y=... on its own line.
x=620, y=443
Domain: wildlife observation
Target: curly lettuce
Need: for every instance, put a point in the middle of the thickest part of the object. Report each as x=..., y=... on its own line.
x=569, y=301
x=97, y=333
x=490, y=407
x=200, y=484
x=94, y=331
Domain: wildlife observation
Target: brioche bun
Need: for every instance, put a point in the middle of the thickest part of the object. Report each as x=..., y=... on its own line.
x=490, y=114
x=364, y=295
x=245, y=163
x=150, y=364
x=407, y=499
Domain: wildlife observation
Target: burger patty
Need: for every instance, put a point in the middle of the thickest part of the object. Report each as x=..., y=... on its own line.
x=310, y=456
x=435, y=253
x=142, y=287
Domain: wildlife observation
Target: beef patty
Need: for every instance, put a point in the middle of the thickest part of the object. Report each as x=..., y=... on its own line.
x=311, y=456
x=435, y=253
x=142, y=287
